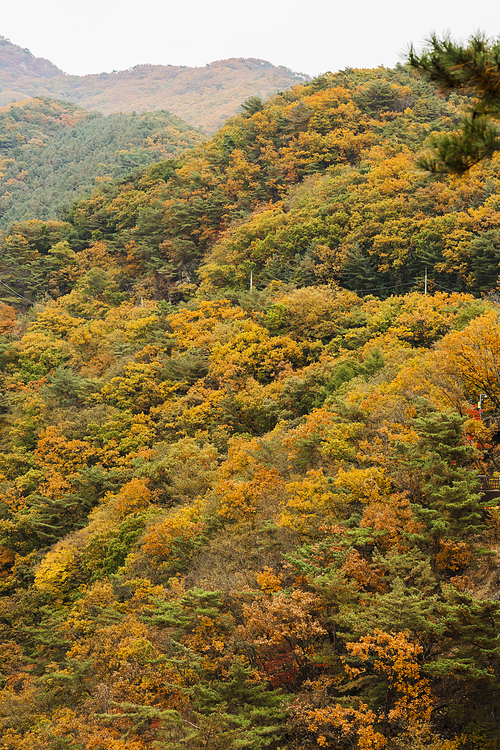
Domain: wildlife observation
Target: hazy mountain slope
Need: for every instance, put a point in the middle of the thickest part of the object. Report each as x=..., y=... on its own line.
x=17, y=63
x=204, y=97
x=51, y=152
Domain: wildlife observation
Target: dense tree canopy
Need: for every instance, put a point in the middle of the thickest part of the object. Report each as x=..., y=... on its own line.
x=236, y=517
x=317, y=185
x=52, y=152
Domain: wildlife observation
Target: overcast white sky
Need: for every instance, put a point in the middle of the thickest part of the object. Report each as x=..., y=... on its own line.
x=311, y=36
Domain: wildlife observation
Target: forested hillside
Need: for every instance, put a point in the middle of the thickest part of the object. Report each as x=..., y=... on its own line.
x=204, y=97
x=53, y=152
x=318, y=184
x=240, y=444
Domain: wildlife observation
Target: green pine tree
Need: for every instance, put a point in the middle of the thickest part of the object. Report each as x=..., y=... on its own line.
x=441, y=464
x=471, y=69
x=235, y=713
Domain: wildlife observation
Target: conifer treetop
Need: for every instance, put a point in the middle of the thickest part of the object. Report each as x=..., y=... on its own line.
x=472, y=70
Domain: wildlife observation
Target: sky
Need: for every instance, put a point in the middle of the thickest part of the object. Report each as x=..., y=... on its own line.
x=311, y=36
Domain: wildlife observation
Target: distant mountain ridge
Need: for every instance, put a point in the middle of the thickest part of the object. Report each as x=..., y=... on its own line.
x=18, y=63
x=203, y=97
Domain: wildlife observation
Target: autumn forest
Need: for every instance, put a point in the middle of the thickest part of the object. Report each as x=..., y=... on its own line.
x=249, y=386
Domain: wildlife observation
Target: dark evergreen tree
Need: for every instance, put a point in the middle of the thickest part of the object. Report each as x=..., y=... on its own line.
x=252, y=105
x=485, y=251
x=474, y=70
x=250, y=715
x=358, y=272
x=441, y=464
